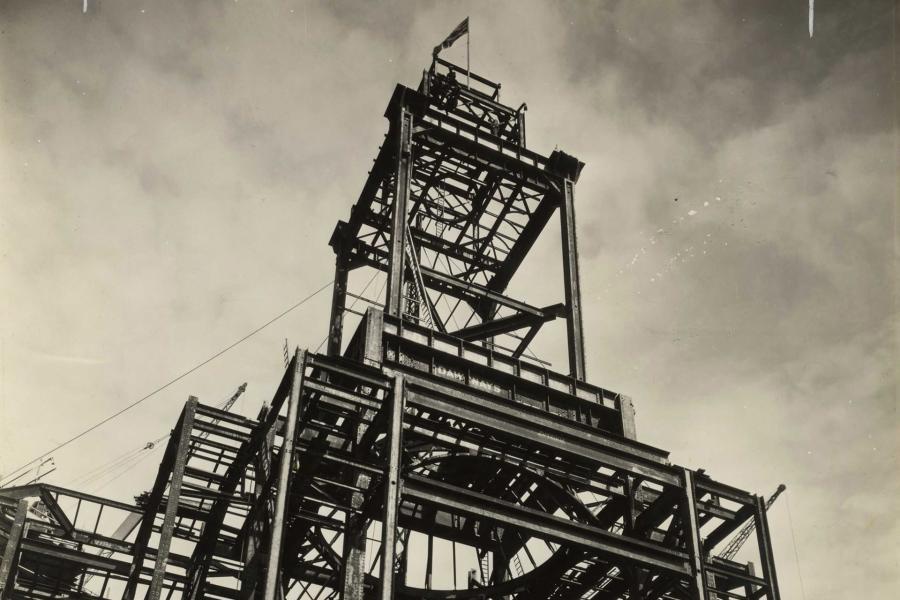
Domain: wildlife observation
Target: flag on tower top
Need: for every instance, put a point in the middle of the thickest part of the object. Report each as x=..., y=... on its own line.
x=461, y=30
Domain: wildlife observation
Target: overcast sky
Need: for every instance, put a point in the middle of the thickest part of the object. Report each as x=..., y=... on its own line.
x=171, y=172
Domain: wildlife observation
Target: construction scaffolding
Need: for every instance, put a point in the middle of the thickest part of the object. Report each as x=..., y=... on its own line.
x=431, y=454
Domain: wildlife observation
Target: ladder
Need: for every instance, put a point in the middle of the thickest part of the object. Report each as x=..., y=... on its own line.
x=419, y=282
x=485, y=564
x=517, y=565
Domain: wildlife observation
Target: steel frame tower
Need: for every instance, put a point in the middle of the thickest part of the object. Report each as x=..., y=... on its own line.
x=429, y=455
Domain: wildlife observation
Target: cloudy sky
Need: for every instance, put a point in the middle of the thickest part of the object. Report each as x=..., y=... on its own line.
x=171, y=172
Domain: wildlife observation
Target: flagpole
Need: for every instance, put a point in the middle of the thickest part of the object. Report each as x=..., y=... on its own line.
x=468, y=38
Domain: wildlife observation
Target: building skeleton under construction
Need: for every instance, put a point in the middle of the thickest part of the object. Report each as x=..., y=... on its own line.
x=428, y=454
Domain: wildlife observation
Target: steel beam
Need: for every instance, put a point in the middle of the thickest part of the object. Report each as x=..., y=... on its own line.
x=114, y=543
x=373, y=347
x=429, y=241
x=356, y=525
x=543, y=432
x=509, y=324
x=66, y=554
x=402, y=175
x=392, y=489
x=545, y=526
x=691, y=523
x=472, y=292
x=486, y=152
x=151, y=507
x=358, y=477
x=629, y=427
x=729, y=526
x=272, y=589
x=183, y=436
x=35, y=489
x=539, y=219
x=11, y=551
x=572, y=281
x=526, y=341
x=57, y=512
x=338, y=302
x=766, y=557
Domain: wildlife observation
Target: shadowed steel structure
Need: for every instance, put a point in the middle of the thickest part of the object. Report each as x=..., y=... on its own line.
x=428, y=454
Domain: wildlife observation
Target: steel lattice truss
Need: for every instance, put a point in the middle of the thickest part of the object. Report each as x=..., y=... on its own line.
x=415, y=460
x=569, y=514
x=477, y=201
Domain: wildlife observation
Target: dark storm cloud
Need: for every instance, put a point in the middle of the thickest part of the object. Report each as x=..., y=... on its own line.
x=685, y=62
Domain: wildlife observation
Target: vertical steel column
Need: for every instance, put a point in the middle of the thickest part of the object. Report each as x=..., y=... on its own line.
x=373, y=348
x=338, y=301
x=429, y=562
x=574, y=326
x=520, y=117
x=260, y=514
x=168, y=525
x=626, y=406
x=748, y=588
x=392, y=489
x=11, y=552
x=353, y=576
x=765, y=549
x=692, y=533
x=402, y=174
x=633, y=574
x=285, y=475
x=354, y=553
x=151, y=507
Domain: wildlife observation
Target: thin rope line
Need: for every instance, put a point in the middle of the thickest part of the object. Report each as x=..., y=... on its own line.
x=103, y=467
x=126, y=467
x=97, y=473
x=141, y=458
x=164, y=386
x=794, y=540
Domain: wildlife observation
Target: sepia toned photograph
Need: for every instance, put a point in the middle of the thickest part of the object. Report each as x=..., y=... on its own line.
x=449, y=300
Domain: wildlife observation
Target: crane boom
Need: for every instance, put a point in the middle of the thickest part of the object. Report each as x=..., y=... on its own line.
x=234, y=397
x=738, y=540
x=227, y=406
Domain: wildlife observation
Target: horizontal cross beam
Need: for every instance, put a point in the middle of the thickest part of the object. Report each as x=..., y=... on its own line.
x=544, y=525
x=510, y=323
